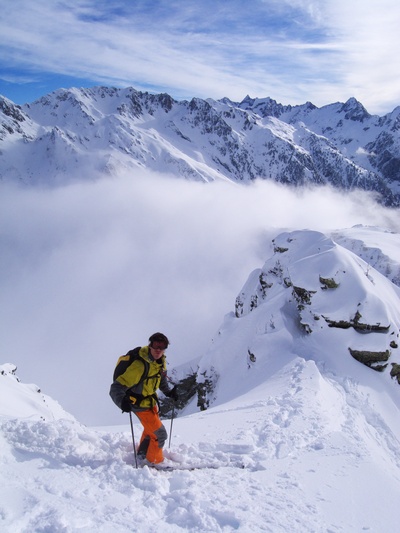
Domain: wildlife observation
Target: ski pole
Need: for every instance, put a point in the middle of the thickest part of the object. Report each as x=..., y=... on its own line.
x=133, y=439
x=172, y=419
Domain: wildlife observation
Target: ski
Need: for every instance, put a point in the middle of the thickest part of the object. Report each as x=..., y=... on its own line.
x=187, y=468
x=191, y=468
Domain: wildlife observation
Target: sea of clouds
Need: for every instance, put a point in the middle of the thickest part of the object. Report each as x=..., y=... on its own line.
x=91, y=269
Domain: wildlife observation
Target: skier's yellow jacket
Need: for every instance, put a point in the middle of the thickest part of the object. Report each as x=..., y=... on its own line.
x=140, y=380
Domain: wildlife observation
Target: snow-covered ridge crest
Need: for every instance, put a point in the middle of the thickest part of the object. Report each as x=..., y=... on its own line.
x=381, y=250
x=26, y=401
x=312, y=299
x=82, y=133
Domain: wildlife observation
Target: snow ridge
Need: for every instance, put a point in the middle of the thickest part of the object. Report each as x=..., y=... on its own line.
x=310, y=296
x=84, y=133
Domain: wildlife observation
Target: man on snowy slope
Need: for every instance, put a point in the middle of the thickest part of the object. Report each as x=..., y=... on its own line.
x=137, y=377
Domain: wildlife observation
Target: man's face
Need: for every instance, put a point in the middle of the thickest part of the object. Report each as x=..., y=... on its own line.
x=157, y=349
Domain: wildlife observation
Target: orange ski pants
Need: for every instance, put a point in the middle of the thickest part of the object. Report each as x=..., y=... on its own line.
x=153, y=437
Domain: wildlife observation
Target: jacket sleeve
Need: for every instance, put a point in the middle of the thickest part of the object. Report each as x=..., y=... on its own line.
x=125, y=381
x=117, y=393
x=164, y=385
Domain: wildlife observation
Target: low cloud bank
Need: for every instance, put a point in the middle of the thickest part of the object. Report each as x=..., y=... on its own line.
x=90, y=270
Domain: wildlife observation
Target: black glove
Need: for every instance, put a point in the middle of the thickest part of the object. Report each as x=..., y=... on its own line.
x=173, y=394
x=126, y=405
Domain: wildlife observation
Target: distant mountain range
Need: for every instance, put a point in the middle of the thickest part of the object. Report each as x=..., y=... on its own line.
x=82, y=133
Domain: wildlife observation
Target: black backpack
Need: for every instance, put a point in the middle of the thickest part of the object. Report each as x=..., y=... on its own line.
x=126, y=360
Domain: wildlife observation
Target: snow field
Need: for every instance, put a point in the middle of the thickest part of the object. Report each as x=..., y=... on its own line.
x=310, y=446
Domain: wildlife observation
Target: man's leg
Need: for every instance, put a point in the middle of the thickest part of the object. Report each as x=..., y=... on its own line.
x=144, y=445
x=153, y=437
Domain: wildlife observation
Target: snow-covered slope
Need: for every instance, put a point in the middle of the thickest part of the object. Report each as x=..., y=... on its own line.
x=302, y=453
x=313, y=299
x=298, y=434
x=379, y=248
x=83, y=133
x=26, y=400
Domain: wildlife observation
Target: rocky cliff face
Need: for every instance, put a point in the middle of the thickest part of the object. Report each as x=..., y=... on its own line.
x=81, y=133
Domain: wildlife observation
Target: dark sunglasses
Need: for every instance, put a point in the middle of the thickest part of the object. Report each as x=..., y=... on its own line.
x=161, y=347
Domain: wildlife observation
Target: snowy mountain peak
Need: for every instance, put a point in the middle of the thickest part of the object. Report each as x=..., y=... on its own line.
x=108, y=130
x=265, y=107
x=12, y=119
x=312, y=299
x=9, y=109
x=354, y=110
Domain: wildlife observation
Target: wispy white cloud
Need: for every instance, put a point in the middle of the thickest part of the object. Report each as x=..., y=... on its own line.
x=91, y=270
x=293, y=50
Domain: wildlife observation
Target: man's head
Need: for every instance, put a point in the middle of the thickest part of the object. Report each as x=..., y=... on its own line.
x=158, y=343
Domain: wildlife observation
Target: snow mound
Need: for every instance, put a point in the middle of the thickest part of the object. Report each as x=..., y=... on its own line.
x=20, y=400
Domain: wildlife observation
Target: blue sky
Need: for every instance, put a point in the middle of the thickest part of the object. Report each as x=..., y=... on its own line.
x=294, y=51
